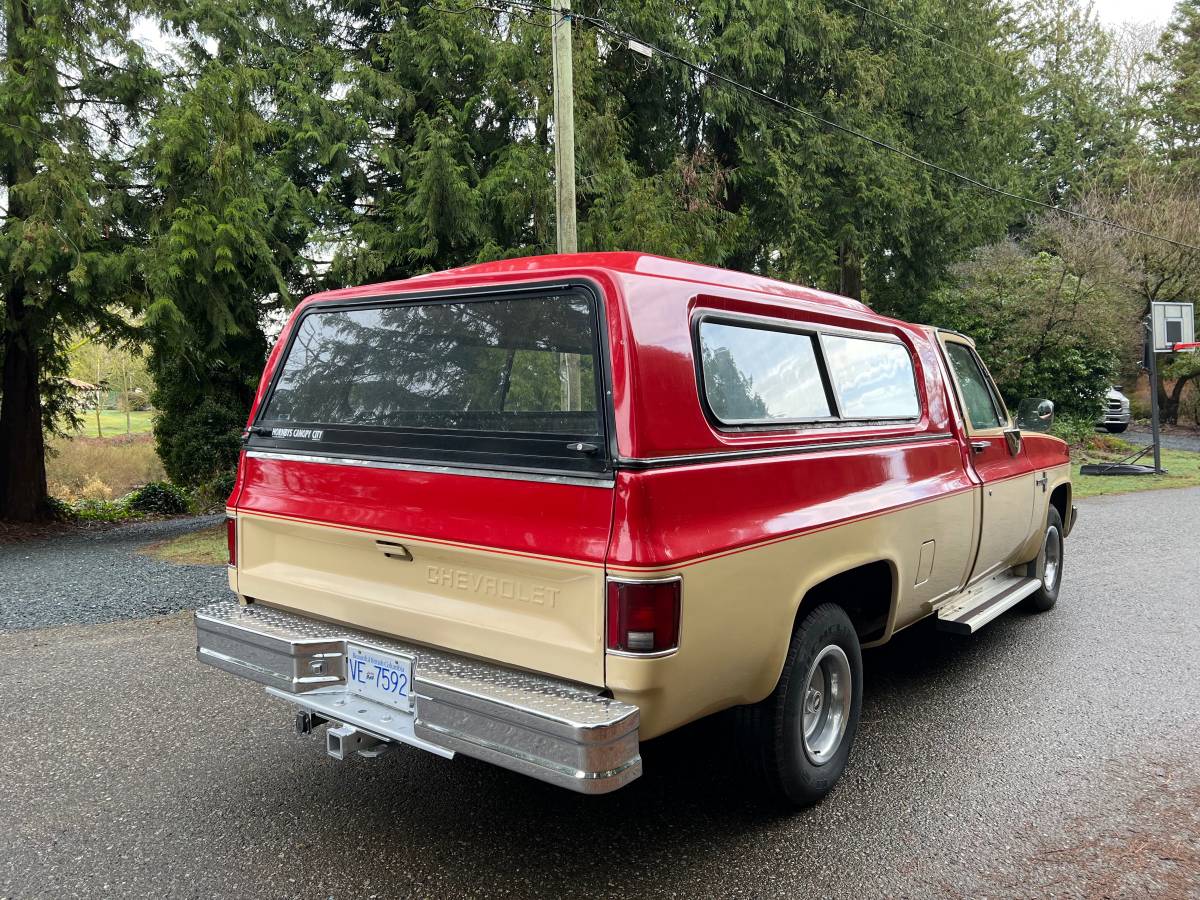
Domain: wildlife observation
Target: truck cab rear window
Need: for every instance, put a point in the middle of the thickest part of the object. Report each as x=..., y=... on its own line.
x=872, y=379
x=755, y=375
x=509, y=382
x=760, y=375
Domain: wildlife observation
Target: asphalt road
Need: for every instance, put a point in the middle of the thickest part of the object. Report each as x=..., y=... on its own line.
x=1176, y=439
x=1049, y=755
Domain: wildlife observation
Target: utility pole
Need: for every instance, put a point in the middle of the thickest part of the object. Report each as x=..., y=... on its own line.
x=564, y=126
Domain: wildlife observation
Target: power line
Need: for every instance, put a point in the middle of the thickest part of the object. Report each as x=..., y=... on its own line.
x=625, y=37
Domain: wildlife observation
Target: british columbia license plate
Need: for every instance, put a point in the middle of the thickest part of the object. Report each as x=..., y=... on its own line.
x=381, y=677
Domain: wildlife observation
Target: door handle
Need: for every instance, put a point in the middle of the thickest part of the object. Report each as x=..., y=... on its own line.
x=979, y=446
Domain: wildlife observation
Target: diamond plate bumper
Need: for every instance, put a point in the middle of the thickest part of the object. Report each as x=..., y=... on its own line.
x=557, y=731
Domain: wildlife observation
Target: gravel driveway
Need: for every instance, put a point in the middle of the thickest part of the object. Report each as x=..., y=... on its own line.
x=1051, y=755
x=98, y=576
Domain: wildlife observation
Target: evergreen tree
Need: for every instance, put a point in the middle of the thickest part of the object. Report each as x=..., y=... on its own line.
x=1174, y=97
x=237, y=157
x=1077, y=129
x=827, y=208
x=450, y=123
x=456, y=166
x=74, y=90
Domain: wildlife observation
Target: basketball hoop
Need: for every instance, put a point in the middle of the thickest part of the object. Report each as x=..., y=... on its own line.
x=1172, y=327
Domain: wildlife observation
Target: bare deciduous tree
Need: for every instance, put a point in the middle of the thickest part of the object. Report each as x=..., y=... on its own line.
x=1133, y=65
x=1150, y=200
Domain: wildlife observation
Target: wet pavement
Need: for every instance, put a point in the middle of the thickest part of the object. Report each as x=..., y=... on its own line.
x=1047, y=755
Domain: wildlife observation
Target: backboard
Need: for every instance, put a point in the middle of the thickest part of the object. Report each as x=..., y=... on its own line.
x=1172, y=324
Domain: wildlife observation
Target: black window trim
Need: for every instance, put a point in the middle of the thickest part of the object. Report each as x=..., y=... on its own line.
x=768, y=323
x=607, y=452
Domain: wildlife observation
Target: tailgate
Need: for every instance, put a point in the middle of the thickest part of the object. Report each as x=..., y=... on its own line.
x=508, y=570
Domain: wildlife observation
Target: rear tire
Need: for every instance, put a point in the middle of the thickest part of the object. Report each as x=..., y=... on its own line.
x=795, y=743
x=1047, y=566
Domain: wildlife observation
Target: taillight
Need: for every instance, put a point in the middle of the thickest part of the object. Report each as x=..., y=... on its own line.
x=231, y=538
x=643, y=616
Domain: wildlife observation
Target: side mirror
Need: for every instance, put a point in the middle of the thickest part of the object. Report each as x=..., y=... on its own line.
x=1035, y=415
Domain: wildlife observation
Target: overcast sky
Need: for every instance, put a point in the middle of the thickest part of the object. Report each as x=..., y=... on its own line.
x=1114, y=12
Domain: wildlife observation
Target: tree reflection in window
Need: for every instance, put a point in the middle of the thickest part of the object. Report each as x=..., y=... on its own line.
x=760, y=375
x=511, y=365
x=981, y=409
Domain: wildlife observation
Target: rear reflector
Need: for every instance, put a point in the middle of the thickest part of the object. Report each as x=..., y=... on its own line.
x=231, y=538
x=643, y=616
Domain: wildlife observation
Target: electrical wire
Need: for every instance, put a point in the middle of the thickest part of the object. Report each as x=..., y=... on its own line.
x=831, y=125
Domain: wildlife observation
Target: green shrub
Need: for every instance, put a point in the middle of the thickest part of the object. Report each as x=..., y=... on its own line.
x=1075, y=430
x=211, y=496
x=159, y=498
x=1021, y=305
x=199, y=443
x=102, y=510
x=60, y=510
x=203, y=391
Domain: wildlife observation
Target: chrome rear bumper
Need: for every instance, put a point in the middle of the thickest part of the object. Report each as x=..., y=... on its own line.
x=557, y=731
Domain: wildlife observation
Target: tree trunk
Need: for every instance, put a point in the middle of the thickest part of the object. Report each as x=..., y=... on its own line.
x=22, y=447
x=849, y=272
x=1168, y=403
x=727, y=157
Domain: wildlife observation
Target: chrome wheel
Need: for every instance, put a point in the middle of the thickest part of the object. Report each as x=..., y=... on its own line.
x=826, y=711
x=1051, y=559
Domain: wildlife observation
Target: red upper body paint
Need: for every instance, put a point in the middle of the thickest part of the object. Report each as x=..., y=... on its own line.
x=677, y=486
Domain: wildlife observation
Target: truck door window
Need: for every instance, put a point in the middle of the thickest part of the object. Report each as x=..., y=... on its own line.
x=872, y=379
x=760, y=375
x=981, y=407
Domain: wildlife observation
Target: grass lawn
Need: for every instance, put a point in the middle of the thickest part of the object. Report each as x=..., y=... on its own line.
x=1183, y=470
x=206, y=547
x=112, y=423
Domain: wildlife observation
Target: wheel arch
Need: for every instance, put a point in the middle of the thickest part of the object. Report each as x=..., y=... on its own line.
x=1060, y=499
x=866, y=588
x=868, y=591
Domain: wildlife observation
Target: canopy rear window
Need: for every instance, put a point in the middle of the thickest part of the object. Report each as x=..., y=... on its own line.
x=512, y=382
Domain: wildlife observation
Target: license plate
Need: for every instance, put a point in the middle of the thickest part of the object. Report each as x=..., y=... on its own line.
x=378, y=676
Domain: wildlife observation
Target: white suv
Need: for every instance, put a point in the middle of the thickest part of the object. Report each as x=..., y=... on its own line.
x=1115, y=417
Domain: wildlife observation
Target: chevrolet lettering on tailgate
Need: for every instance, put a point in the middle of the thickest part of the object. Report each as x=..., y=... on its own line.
x=491, y=585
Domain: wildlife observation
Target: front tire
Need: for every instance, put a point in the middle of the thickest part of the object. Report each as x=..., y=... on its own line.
x=796, y=742
x=1115, y=429
x=1047, y=567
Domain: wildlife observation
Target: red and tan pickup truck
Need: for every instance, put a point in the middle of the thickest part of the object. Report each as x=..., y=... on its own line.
x=540, y=510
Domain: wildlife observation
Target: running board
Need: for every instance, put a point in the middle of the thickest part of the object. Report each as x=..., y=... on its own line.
x=972, y=610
